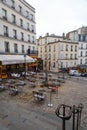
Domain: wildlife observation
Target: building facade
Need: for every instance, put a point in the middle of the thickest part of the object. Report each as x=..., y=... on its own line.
x=17, y=27
x=17, y=32
x=80, y=36
x=57, y=52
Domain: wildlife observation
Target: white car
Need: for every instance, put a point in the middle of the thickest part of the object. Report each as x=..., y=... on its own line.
x=77, y=74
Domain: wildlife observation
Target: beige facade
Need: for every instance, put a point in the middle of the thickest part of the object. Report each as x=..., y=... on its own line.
x=57, y=53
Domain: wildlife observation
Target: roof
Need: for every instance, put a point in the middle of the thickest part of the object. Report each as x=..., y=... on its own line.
x=15, y=59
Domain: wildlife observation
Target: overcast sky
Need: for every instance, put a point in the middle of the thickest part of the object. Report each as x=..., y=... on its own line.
x=58, y=16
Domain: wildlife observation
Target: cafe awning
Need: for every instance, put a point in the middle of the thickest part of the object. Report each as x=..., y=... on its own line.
x=15, y=59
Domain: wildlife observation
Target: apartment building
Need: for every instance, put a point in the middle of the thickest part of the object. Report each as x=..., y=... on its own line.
x=80, y=36
x=57, y=52
x=17, y=28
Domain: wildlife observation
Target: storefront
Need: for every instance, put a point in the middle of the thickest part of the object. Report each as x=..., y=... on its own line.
x=13, y=63
x=82, y=68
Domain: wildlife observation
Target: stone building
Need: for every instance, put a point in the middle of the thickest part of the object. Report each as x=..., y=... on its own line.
x=17, y=30
x=80, y=36
x=57, y=52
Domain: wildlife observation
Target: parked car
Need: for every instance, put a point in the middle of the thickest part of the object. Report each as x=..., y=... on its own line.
x=84, y=74
x=72, y=72
x=77, y=74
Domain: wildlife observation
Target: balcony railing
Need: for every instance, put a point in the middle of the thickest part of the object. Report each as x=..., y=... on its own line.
x=4, y=17
x=33, y=52
x=6, y=34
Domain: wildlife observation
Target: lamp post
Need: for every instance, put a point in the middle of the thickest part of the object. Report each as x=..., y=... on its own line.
x=25, y=65
x=46, y=79
x=59, y=80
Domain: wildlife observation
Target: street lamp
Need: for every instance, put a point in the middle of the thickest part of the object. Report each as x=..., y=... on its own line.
x=46, y=79
x=58, y=78
x=25, y=65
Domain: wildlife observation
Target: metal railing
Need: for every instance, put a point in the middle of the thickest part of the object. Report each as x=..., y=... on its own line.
x=65, y=112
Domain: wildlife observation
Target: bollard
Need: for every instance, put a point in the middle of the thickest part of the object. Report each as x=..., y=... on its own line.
x=77, y=116
x=63, y=115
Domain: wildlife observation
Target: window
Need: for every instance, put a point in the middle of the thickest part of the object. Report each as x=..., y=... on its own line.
x=13, y=4
x=53, y=64
x=22, y=36
x=21, y=22
x=29, y=47
x=61, y=64
x=28, y=26
x=29, y=50
x=33, y=39
x=81, y=46
x=41, y=49
x=28, y=38
x=3, y=0
x=22, y=48
x=81, y=53
x=20, y=9
x=84, y=38
x=27, y=14
x=14, y=34
x=33, y=48
x=86, y=46
x=54, y=48
x=7, y=47
x=54, y=57
x=32, y=28
x=4, y=12
x=71, y=48
x=79, y=37
x=66, y=56
x=5, y=28
x=80, y=61
x=75, y=48
x=75, y=56
x=86, y=53
x=13, y=18
x=49, y=56
x=15, y=48
x=61, y=48
x=66, y=47
x=71, y=56
x=85, y=61
x=49, y=48
x=45, y=49
x=32, y=18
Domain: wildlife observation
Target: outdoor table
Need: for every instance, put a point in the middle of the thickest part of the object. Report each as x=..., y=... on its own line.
x=2, y=88
x=13, y=91
x=39, y=96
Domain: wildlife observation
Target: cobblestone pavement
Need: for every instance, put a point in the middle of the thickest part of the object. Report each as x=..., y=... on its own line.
x=72, y=92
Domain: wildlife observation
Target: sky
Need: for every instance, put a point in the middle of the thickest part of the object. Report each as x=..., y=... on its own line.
x=59, y=16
